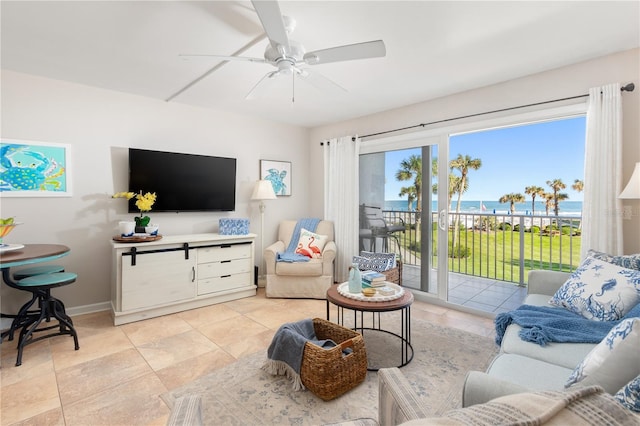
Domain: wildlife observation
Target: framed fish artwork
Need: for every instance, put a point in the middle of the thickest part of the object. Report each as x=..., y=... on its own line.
x=279, y=174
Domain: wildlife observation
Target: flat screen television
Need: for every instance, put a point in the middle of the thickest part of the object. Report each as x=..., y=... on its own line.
x=183, y=182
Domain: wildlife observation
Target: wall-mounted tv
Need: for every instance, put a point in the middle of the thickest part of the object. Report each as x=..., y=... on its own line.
x=183, y=182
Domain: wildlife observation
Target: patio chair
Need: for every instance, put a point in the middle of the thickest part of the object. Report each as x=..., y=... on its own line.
x=374, y=226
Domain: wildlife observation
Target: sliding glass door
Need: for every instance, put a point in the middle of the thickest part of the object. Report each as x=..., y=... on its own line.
x=474, y=207
x=399, y=211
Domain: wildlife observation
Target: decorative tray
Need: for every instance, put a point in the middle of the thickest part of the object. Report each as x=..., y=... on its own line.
x=10, y=247
x=343, y=290
x=137, y=238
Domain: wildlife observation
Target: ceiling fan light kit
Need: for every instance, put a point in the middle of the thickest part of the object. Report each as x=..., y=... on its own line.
x=289, y=56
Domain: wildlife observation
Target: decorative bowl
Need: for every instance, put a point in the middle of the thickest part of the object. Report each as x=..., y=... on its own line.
x=151, y=229
x=369, y=292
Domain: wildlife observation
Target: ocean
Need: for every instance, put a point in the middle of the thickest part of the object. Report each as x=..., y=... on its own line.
x=566, y=207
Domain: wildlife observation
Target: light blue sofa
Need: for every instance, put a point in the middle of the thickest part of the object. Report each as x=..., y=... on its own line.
x=524, y=366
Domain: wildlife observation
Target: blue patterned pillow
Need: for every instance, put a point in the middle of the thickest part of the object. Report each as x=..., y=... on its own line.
x=629, y=396
x=599, y=290
x=614, y=361
x=629, y=261
x=375, y=261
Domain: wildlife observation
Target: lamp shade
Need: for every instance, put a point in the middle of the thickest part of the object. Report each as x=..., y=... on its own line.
x=263, y=191
x=632, y=190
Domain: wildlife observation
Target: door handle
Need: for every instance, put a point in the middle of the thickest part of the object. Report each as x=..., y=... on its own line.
x=442, y=220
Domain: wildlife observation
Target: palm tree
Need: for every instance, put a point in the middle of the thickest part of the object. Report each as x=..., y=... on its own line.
x=410, y=192
x=512, y=198
x=411, y=168
x=463, y=164
x=455, y=186
x=578, y=185
x=534, y=191
x=556, y=185
x=548, y=202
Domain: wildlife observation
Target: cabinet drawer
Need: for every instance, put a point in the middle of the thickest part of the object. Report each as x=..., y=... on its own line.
x=227, y=282
x=224, y=252
x=227, y=267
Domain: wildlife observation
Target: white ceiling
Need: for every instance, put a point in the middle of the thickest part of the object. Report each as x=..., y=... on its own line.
x=434, y=48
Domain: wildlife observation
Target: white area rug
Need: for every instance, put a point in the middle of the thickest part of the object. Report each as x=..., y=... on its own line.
x=243, y=394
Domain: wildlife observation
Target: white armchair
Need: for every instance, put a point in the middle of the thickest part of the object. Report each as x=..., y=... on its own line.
x=307, y=280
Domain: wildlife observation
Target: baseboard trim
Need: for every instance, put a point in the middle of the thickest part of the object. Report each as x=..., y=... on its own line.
x=5, y=323
x=89, y=309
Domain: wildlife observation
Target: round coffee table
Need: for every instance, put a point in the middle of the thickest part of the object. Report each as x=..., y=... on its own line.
x=402, y=304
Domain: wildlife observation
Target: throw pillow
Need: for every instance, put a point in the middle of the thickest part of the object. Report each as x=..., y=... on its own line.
x=379, y=261
x=629, y=396
x=599, y=290
x=311, y=244
x=629, y=261
x=361, y=262
x=614, y=361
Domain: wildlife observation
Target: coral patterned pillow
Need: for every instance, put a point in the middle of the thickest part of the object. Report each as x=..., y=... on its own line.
x=629, y=261
x=614, y=361
x=311, y=244
x=599, y=290
x=629, y=396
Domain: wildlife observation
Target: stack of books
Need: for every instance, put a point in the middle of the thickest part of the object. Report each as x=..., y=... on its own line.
x=372, y=279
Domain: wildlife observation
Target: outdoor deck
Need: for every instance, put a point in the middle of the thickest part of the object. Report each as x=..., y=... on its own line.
x=473, y=292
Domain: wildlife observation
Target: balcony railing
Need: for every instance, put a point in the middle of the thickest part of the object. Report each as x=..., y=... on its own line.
x=496, y=246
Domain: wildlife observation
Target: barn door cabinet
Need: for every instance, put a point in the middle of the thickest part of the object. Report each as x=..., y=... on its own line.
x=179, y=272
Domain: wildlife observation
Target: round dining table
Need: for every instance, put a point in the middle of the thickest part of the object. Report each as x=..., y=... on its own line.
x=31, y=253
x=27, y=254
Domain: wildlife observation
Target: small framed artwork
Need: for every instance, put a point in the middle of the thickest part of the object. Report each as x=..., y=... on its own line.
x=279, y=174
x=34, y=169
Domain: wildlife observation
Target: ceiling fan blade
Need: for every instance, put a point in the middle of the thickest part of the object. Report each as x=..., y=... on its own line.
x=368, y=49
x=259, y=86
x=319, y=81
x=271, y=19
x=224, y=57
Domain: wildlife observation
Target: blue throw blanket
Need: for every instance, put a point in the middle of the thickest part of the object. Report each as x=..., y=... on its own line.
x=287, y=349
x=290, y=254
x=545, y=324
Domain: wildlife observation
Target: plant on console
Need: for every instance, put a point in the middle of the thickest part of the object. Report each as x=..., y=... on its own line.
x=144, y=203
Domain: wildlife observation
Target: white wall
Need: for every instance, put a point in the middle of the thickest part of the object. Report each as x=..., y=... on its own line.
x=560, y=83
x=99, y=125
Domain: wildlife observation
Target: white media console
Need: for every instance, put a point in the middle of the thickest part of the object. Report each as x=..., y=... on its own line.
x=179, y=272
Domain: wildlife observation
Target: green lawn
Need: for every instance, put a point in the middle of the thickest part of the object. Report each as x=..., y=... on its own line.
x=496, y=254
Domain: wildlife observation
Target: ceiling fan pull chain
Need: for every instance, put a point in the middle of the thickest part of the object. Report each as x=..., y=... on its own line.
x=293, y=87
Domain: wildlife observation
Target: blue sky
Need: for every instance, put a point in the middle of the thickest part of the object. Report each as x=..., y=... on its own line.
x=512, y=159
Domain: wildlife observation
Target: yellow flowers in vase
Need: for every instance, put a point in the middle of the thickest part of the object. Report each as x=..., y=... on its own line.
x=144, y=202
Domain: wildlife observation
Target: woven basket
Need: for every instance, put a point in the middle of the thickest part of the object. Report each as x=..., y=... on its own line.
x=327, y=372
x=394, y=275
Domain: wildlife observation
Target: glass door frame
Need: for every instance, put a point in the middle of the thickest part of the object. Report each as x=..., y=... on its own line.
x=439, y=136
x=425, y=142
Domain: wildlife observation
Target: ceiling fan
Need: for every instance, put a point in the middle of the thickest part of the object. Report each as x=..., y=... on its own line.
x=289, y=56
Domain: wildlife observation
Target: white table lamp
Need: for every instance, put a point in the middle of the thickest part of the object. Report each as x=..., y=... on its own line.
x=262, y=191
x=632, y=190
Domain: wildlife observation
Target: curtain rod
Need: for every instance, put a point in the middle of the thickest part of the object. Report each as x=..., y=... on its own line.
x=626, y=88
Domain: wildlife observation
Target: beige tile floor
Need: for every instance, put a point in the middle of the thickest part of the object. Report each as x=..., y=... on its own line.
x=119, y=373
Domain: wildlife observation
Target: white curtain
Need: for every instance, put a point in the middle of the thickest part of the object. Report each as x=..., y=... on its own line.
x=341, y=197
x=602, y=221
